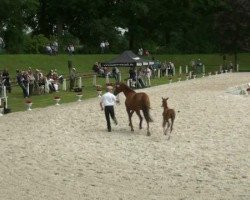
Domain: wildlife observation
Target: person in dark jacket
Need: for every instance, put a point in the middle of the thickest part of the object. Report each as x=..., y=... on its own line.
x=21, y=82
x=6, y=80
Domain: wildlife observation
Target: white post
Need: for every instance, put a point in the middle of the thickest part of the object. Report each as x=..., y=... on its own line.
x=107, y=79
x=173, y=70
x=5, y=97
x=203, y=69
x=94, y=80
x=120, y=76
x=159, y=73
x=186, y=69
x=221, y=71
x=80, y=82
x=190, y=74
x=180, y=70
x=4, y=92
x=149, y=81
x=64, y=84
x=128, y=82
x=237, y=67
x=166, y=72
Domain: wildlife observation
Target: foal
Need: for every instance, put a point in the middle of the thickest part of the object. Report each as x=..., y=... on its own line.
x=167, y=114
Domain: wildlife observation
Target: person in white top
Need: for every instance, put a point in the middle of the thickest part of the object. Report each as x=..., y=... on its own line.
x=107, y=103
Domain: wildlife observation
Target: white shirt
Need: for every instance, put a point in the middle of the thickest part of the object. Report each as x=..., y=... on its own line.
x=108, y=99
x=148, y=72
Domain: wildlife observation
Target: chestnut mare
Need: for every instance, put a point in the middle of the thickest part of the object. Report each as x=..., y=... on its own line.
x=167, y=114
x=134, y=103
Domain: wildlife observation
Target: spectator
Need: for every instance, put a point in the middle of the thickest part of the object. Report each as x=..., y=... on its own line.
x=132, y=74
x=6, y=80
x=140, y=81
x=163, y=68
x=96, y=67
x=72, y=79
x=48, y=49
x=22, y=83
x=106, y=46
x=147, y=53
x=199, y=65
x=140, y=51
x=31, y=80
x=148, y=76
x=2, y=45
x=230, y=65
x=102, y=46
x=115, y=72
x=71, y=49
x=171, y=68
x=54, y=47
x=51, y=81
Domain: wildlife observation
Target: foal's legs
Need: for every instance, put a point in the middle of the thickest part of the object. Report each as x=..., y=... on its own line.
x=172, y=123
x=167, y=130
x=163, y=125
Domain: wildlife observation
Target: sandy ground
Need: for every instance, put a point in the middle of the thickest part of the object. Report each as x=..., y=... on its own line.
x=65, y=152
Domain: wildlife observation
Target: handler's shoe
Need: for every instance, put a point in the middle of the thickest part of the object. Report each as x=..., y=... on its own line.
x=115, y=121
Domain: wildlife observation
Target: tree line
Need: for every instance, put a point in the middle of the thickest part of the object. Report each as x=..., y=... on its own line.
x=161, y=26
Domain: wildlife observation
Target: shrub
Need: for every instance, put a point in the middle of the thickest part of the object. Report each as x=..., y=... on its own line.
x=35, y=44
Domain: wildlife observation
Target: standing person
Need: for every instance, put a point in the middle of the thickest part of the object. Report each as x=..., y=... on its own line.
x=72, y=79
x=2, y=45
x=102, y=46
x=108, y=101
x=115, y=72
x=21, y=82
x=6, y=79
x=107, y=46
x=148, y=76
x=31, y=79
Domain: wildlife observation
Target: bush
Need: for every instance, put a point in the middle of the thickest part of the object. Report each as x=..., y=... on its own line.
x=35, y=44
x=65, y=40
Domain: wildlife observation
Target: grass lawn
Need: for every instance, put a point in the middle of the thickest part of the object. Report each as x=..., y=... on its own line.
x=83, y=64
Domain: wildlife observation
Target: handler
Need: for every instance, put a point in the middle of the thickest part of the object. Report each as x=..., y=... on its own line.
x=108, y=101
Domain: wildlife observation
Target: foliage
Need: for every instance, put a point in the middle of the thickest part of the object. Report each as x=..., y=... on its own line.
x=179, y=26
x=35, y=44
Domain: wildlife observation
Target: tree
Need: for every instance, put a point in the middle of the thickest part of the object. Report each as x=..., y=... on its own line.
x=232, y=26
x=13, y=16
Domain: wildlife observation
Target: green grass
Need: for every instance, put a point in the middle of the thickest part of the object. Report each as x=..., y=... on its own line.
x=83, y=64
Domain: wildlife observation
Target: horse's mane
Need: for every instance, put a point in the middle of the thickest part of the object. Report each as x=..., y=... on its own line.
x=127, y=87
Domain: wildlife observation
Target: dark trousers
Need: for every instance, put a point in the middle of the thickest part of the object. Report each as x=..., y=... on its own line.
x=109, y=111
x=71, y=84
x=25, y=92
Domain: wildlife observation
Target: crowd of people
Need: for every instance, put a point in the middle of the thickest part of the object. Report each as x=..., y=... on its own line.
x=103, y=71
x=32, y=81
x=52, y=49
x=36, y=82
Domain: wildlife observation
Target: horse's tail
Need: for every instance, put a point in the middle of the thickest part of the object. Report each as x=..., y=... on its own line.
x=146, y=114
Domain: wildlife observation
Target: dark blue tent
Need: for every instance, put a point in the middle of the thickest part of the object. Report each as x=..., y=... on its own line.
x=127, y=59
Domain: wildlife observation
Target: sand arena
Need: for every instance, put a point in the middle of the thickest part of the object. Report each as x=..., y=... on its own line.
x=65, y=152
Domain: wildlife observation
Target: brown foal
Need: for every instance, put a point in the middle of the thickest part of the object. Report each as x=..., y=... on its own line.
x=167, y=114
